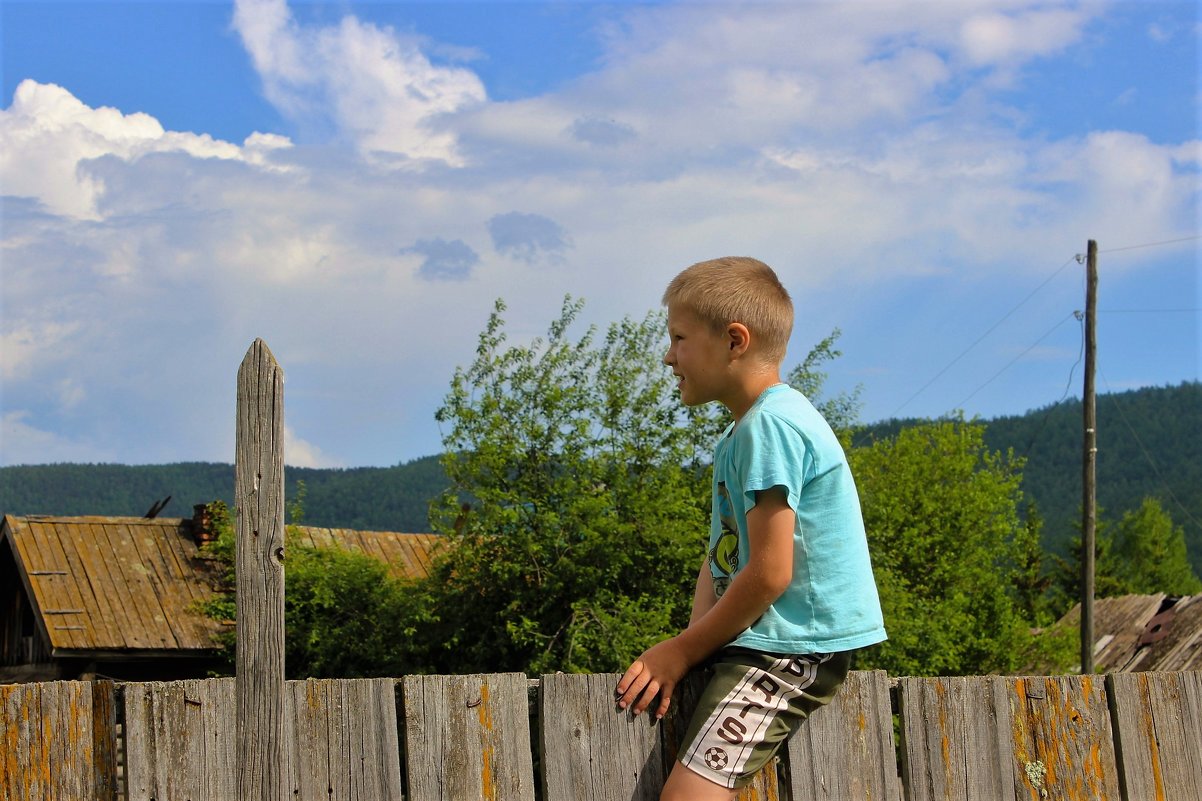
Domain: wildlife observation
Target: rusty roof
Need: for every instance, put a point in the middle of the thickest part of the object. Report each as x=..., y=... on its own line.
x=122, y=584
x=1145, y=632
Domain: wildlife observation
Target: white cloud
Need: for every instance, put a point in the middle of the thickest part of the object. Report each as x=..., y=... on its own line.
x=48, y=138
x=300, y=453
x=816, y=136
x=375, y=85
x=1006, y=39
x=23, y=443
x=28, y=342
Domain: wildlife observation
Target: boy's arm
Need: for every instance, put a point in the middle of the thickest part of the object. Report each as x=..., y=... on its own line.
x=767, y=574
x=703, y=596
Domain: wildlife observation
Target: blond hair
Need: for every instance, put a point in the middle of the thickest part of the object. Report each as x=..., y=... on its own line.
x=737, y=289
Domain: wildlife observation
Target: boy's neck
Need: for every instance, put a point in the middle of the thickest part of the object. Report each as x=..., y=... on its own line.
x=748, y=391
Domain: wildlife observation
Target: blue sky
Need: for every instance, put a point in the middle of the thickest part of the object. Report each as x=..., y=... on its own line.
x=358, y=182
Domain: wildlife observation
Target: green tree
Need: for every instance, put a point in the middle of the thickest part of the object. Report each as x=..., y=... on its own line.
x=344, y=615
x=942, y=520
x=1150, y=553
x=577, y=509
x=841, y=411
x=1031, y=581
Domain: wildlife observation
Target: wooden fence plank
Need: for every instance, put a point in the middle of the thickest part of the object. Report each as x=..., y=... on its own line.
x=307, y=766
x=468, y=737
x=1062, y=734
x=591, y=750
x=345, y=741
x=952, y=739
x=59, y=741
x=846, y=751
x=179, y=740
x=259, y=545
x=1158, y=734
x=1007, y=738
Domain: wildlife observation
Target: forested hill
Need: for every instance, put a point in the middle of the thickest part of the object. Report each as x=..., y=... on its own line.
x=367, y=498
x=1149, y=444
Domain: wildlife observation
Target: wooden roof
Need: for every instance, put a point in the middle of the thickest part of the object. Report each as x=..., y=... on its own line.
x=121, y=584
x=1145, y=632
x=406, y=555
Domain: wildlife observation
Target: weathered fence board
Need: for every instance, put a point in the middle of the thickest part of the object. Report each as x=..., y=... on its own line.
x=59, y=741
x=845, y=752
x=590, y=748
x=1158, y=734
x=1063, y=724
x=1005, y=737
x=346, y=744
x=179, y=740
x=468, y=737
x=943, y=720
x=259, y=499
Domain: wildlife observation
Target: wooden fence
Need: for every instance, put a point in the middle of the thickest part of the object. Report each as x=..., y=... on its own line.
x=501, y=737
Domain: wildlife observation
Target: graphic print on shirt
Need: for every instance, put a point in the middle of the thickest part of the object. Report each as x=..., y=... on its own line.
x=725, y=554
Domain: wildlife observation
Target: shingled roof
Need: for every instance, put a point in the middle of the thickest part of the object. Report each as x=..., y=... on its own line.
x=1145, y=632
x=112, y=587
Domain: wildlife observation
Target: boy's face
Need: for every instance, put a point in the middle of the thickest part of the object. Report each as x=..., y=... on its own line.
x=698, y=357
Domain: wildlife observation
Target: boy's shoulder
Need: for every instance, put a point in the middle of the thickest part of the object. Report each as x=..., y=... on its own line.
x=783, y=410
x=787, y=404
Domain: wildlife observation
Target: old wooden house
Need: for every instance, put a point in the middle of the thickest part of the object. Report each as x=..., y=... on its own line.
x=117, y=597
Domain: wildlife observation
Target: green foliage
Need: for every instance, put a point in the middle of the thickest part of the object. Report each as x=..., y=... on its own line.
x=1148, y=446
x=841, y=411
x=942, y=520
x=344, y=615
x=1031, y=580
x=579, y=501
x=1150, y=553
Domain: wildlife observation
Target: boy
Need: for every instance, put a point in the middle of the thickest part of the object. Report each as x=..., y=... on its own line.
x=786, y=591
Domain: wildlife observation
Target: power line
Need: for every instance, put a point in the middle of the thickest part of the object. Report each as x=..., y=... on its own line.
x=1153, y=244
x=1047, y=415
x=1150, y=311
x=1016, y=358
x=977, y=341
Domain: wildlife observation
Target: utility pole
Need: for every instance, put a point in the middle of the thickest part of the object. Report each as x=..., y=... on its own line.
x=1089, y=462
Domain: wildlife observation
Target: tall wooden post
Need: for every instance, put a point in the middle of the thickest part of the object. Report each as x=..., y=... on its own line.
x=1089, y=460
x=259, y=496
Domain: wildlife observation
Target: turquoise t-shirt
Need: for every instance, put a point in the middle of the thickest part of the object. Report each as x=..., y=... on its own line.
x=832, y=603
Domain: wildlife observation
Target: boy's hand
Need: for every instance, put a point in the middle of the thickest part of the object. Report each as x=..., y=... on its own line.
x=658, y=670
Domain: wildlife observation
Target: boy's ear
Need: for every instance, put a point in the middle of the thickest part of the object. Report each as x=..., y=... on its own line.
x=738, y=338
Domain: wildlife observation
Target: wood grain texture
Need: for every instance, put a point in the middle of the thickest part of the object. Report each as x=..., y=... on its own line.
x=592, y=751
x=259, y=498
x=845, y=751
x=1007, y=738
x=344, y=738
x=58, y=741
x=468, y=737
x=1158, y=734
x=179, y=740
